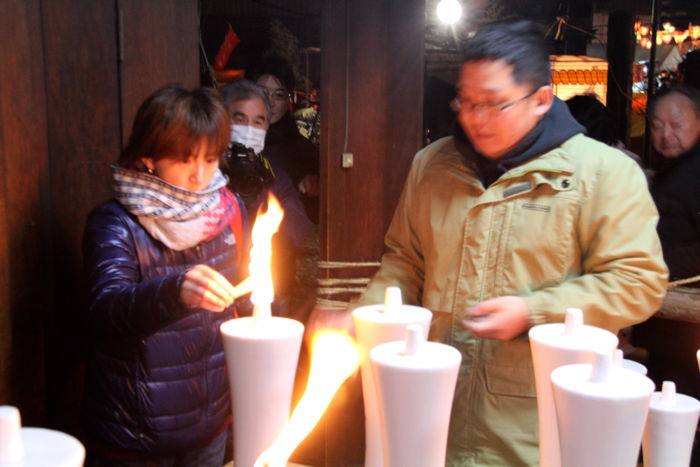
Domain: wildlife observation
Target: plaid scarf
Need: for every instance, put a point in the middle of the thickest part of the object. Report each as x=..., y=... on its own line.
x=179, y=218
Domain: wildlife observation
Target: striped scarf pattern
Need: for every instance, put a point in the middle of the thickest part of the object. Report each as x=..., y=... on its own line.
x=177, y=217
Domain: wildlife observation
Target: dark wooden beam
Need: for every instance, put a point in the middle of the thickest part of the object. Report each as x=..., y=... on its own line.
x=620, y=54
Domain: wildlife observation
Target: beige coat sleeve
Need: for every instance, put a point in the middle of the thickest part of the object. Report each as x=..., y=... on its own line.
x=624, y=276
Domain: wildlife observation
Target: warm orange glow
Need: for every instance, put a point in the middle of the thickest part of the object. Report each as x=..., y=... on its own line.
x=667, y=34
x=334, y=357
x=266, y=225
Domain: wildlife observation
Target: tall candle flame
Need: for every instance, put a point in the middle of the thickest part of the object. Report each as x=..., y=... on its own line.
x=334, y=357
x=266, y=225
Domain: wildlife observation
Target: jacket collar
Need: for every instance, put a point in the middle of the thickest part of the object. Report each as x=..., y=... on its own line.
x=551, y=131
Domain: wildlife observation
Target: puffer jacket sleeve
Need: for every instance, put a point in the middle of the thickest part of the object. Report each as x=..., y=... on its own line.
x=624, y=277
x=403, y=263
x=118, y=302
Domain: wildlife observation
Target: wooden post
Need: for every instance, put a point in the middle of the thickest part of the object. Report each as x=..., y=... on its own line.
x=651, y=80
x=620, y=56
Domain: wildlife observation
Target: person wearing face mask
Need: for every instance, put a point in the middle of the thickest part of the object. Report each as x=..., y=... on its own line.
x=159, y=260
x=285, y=146
x=250, y=111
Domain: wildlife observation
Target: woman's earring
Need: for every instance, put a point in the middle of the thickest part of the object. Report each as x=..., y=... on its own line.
x=150, y=171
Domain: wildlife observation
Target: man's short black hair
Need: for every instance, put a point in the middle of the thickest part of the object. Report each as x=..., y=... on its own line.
x=519, y=43
x=592, y=114
x=692, y=94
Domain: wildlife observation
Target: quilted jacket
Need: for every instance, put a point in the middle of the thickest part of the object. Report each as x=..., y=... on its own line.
x=156, y=380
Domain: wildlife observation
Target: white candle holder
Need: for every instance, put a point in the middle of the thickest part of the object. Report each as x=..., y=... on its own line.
x=601, y=411
x=261, y=358
x=552, y=346
x=670, y=428
x=374, y=325
x=621, y=362
x=35, y=447
x=415, y=382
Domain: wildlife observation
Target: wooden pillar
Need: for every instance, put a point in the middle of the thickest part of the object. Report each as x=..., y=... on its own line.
x=378, y=47
x=620, y=56
x=372, y=66
x=580, y=14
x=25, y=285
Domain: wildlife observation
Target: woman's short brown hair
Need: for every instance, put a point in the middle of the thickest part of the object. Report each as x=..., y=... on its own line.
x=172, y=121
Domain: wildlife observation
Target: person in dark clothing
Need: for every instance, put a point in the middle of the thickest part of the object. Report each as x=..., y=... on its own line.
x=689, y=69
x=675, y=133
x=592, y=114
x=250, y=111
x=600, y=124
x=284, y=145
x=158, y=261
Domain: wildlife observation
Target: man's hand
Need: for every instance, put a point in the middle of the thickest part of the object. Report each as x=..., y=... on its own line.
x=309, y=185
x=501, y=318
x=205, y=288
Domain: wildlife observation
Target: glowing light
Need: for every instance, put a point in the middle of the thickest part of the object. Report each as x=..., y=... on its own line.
x=667, y=34
x=266, y=225
x=334, y=357
x=449, y=11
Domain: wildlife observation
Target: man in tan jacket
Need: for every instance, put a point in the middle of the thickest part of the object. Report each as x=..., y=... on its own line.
x=504, y=225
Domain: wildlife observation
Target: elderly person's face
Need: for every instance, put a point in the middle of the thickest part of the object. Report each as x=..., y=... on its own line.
x=249, y=112
x=675, y=126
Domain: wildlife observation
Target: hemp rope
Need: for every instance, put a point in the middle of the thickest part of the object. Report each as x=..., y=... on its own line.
x=337, y=286
x=679, y=282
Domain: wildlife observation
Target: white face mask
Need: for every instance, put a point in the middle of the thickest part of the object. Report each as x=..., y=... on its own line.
x=248, y=136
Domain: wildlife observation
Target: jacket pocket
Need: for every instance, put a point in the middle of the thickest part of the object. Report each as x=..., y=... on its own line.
x=539, y=250
x=510, y=380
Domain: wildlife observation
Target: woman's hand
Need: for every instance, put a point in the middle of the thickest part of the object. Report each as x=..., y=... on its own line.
x=205, y=288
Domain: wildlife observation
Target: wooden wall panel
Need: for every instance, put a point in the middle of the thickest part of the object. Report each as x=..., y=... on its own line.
x=83, y=116
x=362, y=185
x=62, y=106
x=25, y=286
x=386, y=68
x=159, y=46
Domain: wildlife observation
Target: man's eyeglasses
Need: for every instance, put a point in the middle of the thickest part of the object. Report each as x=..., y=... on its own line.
x=277, y=94
x=490, y=108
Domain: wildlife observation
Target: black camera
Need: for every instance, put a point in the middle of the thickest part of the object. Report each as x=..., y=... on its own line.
x=249, y=174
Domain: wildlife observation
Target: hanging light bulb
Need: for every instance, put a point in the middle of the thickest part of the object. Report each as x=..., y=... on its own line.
x=449, y=11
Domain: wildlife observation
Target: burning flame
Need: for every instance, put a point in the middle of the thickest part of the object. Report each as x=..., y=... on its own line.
x=266, y=225
x=334, y=357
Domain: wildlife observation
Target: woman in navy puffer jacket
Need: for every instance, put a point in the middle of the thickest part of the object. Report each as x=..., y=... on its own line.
x=158, y=261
